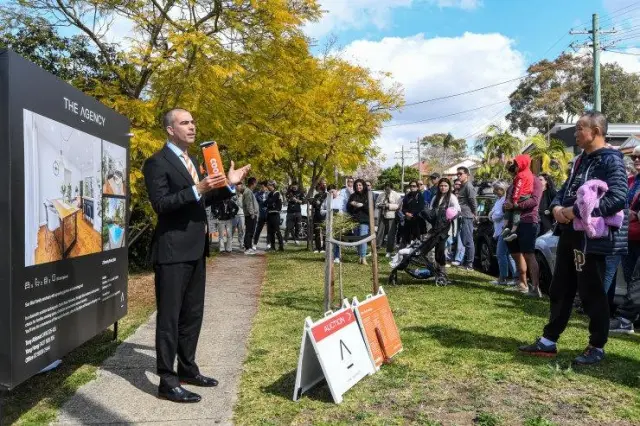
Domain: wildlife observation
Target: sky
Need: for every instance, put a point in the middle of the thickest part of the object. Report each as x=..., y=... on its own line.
x=436, y=48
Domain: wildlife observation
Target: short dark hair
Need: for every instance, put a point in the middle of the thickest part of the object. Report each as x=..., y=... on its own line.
x=597, y=119
x=251, y=181
x=464, y=170
x=167, y=118
x=331, y=187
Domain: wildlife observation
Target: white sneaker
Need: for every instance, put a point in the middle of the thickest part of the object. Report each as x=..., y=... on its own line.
x=316, y=251
x=368, y=255
x=336, y=260
x=268, y=246
x=254, y=248
x=387, y=255
x=249, y=252
x=296, y=242
x=321, y=251
x=455, y=263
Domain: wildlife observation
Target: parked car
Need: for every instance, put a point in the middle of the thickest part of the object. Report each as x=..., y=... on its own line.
x=546, y=246
x=486, y=246
x=304, y=224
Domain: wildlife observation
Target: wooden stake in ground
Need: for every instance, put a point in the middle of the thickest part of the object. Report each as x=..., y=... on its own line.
x=374, y=245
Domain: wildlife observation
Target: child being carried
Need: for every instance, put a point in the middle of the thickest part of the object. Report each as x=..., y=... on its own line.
x=522, y=191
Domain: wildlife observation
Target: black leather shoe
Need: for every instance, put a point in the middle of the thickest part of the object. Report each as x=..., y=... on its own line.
x=178, y=394
x=199, y=380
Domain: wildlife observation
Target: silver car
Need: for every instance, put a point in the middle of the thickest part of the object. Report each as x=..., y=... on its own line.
x=546, y=246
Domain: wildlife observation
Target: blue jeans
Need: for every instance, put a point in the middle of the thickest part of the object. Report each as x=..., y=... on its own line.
x=466, y=235
x=459, y=256
x=363, y=231
x=506, y=264
x=611, y=267
x=336, y=251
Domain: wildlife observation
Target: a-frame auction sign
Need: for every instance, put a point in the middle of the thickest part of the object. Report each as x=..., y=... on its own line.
x=332, y=349
x=64, y=191
x=378, y=325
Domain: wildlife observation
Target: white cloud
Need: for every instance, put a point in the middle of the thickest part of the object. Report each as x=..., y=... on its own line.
x=429, y=68
x=341, y=15
x=629, y=61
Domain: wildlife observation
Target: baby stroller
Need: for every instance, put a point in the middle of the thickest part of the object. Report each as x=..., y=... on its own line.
x=415, y=261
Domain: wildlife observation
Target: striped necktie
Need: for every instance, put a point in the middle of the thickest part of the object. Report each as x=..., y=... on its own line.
x=190, y=168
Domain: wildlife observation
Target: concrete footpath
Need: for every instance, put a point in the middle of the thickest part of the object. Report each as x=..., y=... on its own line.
x=126, y=387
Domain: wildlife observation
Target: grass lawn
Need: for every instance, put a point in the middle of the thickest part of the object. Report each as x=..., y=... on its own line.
x=459, y=364
x=37, y=401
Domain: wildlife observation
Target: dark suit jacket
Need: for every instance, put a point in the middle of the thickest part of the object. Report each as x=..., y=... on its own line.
x=181, y=234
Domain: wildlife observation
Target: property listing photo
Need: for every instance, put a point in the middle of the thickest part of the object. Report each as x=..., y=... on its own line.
x=114, y=169
x=63, y=177
x=113, y=223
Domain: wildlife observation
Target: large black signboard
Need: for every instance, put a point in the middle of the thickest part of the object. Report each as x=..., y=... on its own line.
x=63, y=217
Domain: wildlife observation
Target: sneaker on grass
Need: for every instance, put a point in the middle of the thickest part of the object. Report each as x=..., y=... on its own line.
x=539, y=349
x=455, y=263
x=620, y=325
x=590, y=356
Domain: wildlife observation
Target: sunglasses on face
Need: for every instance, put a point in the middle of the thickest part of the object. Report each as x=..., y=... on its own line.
x=635, y=157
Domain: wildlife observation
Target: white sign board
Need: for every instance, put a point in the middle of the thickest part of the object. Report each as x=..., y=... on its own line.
x=334, y=349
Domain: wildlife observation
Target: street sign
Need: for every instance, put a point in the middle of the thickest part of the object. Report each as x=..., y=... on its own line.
x=334, y=349
x=378, y=325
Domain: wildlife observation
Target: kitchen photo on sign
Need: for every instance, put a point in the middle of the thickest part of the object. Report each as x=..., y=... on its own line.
x=114, y=169
x=62, y=181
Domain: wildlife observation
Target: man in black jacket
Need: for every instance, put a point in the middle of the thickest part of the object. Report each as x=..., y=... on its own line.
x=178, y=192
x=580, y=260
x=295, y=198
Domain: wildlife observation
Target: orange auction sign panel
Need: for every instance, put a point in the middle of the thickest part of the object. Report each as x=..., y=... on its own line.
x=378, y=325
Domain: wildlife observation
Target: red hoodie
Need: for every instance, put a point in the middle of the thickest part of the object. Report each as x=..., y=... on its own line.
x=523, y=182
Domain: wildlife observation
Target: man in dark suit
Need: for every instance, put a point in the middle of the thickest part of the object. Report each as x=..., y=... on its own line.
x=178, y=194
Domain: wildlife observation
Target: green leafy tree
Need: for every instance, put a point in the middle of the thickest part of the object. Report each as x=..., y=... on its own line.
x=441, y=150
x=393, y=176
x=552, y=156
x=497, y=147
x=562, y=89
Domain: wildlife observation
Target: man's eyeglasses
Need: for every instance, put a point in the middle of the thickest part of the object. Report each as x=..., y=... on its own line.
x=635, y=157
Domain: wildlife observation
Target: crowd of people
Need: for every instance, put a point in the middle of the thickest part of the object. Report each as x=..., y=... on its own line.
x=589, y=213
x=595, y=214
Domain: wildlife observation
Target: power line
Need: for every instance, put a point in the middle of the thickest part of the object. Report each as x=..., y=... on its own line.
x=463, y=93
x=445, y=116
x=622, y=53
x=613, y=14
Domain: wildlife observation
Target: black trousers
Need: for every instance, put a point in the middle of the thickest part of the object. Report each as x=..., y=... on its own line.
x=262, y=220
x=180, y=302
x=273, y=230
x=318, y=235
x=249, y=230
x=293, y=226
x=575, y=271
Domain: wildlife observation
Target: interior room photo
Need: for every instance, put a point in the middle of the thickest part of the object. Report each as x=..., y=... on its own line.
x=114, y=170
x=62, y=191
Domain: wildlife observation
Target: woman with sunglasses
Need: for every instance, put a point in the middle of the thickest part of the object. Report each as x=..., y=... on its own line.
x=412, y=205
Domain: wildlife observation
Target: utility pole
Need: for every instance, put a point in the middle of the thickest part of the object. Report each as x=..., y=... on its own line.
x=402, y=164
x=595, y=33
x=419, y=160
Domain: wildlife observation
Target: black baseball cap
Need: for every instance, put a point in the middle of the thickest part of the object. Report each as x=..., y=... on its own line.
x=435, y=176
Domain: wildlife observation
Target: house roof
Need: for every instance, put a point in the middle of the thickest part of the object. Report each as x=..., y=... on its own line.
x=471, y=163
